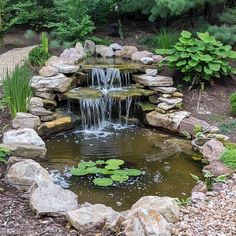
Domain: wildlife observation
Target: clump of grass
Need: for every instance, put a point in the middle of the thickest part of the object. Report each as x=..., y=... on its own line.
x=17, y=91
x=233, y=103
x=227, y=128
x=229, y=158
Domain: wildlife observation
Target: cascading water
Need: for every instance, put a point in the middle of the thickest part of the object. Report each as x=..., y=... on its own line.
x=99, y=112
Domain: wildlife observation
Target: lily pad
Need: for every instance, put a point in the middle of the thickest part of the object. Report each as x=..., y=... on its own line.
x=115, y=162
x=112, y=167
x=119, y=178
x=106, y=172
x=128, y=172
x=103, y=182
x=94, y=170
x=85, y=164
x=100, y=162
x=79, y=172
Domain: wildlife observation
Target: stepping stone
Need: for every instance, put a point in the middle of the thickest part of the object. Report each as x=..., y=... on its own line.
x=153, y=81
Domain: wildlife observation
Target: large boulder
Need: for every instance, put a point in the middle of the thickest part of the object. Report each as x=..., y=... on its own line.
x=59, y=83
x=25, y=120
x=66, y=69
x=79, y=47
x=72, y=55
x=40, y=111
x=146, y=222
x=89, y=47
x=126, y=52
x=137, y=56
x=116, y=47
x=47, y=198
x=98, y=216
x=104, y=51
x=24, y=174
x=147, y=60
x=48, y=71
x=166, y=206
x=217, y=168
x=22, y=136
x=153, y=80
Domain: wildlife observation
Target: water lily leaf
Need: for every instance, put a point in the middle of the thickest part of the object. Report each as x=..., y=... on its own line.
x=85, y=164
x=133, y=172
x=94, y=170
x=112, y=167
x=106, y=172
x=115, y=162
x=100, y=162
x=119, y=178
x=103, y=182
x=79, y=172
x=120, y=172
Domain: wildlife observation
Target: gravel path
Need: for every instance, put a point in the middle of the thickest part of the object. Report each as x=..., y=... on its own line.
x=10, y=59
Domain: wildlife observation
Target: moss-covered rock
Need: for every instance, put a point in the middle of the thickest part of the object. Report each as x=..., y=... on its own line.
x=82, y=93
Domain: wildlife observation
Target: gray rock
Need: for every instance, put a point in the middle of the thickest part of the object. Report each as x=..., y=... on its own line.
x=24, y=174
x=47, y=198
x=171, y=101
x=66, y=69
x=48, y=71
x=126, y=52
x=217, y=168
x=89, y=47
x=178, y=95
x=94, y=217
x=104, y=51
x=200, y=187
x=59, y=83
x=147, y=60
x=48, y=118
x=13, y=160
x=151, y=72
x=166, y=206
x=167, y=90
x=45, y=95
x=25, y=120
x=40, y=111
x=79, y=47
x=157, y=58
x=22, y=136
x=146, y=222
x=138, y=56
x=166, y=107
x=153, y=81
x=72, y=55
x=36, y=102
x=116, y=47
x=198, y=197
x=53, y=60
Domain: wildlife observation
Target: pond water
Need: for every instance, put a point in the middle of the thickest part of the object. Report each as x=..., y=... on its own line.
x=166, y=163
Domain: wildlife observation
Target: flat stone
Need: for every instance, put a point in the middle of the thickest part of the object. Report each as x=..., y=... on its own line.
x=151, y=72
x=171, y=101
x=167, y=95
x=53, y=60
x=116, y=47
x=22, y=136
x=82, y=93
x=169, y=121
x=104, y=51
x=48, y=118
x=72, y=55
x=59, y=83
x=169, y=90
x=49, y=104
x=200, y=187
x=55, y=126
x=217, y=168
x=48, y=71
x=66, y=69
x=13, y=160
x=24, y=174
x=166, y=106
x=178, y=95
x=89, y=47
x=25, y=120
x=153, y=81
x=45, y=95
x=47, y=198
x=36, y=102
x=137, y=56
x=126, y=52
x=147, y=60
x=40, y=111
x=93, y=217
x=27, y=150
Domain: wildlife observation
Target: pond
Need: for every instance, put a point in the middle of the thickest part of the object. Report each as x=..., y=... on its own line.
x=165, y=161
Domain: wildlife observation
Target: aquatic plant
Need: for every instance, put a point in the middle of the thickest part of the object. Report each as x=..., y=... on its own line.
x=101, y=168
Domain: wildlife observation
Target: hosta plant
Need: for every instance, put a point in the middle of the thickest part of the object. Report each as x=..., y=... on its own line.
x=200, y=59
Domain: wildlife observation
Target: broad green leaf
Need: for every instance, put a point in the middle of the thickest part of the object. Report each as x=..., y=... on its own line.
x=207, y=71
x=206, y=58
x=186, y=34
x=2, y=159
x=214, y=66
x=79, y=172
x=116, y=162
x=181, y=63
x=119, y=178
x=94, y=170
x=192, y=63
x=85, y=164
x=103, y=182
x=232, y=55
x=198, y=68
x=106, y=172
x=100, y=162
x=112, y=167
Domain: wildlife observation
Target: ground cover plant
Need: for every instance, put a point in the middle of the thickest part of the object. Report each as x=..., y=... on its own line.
x=229, y=158
x=4, y=152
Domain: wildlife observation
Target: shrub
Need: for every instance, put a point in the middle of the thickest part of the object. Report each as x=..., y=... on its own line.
x=54, y=44
x=38, y=56
x=227, y=128
x=233, y=103
x=229, y=158
x=17, y=91
x=200, y=59
x=30, y=34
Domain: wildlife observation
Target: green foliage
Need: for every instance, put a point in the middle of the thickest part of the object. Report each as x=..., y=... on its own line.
x=111, y=167
x=229, y=158
x=4, y=152
x=54, y=44
x=233, y=103
x=200, y=59
x=30, y=34
x=44, y=39
x=229, y=16
x=38, y=56
x=227, y=128
x=183, y=202
x=17, y=91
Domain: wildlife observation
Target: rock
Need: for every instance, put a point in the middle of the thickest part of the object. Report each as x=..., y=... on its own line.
x=93, y=217
x=171, y=101
x=48, y=71
x=198, y=197
x=13, y=160
x=47, y=198
x=49, y=104
x=116, y=47
x=178, y=95
x=89, y=47
x=218, y=187
x=36, y=102
x=72, y=55
x=146, y=222
x=137, y=56
x=55, y=126
x=189, y=124
x=48, y=118
x=220, y=137
x=40, y=111
x=151, y=72
x=25, y=120
x=200, y=187
x=212, y=150
x=167, y=90
x=167, y=107
x=166, y=206
x=147, y=60
x=153, y=81
x=126, y=52
x=24, y=174
x=66, y=69
x=22, y=136
x=157, y=58
x=27, y=151
x=166, y=95
x=59, y=83
x=167, y=121
x=104, y=51
x=154, y=99
x=217, y=168
x=80, y=49
x=53, y=60
x=45, y=95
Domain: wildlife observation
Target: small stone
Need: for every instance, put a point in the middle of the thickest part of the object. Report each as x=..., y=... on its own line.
x=45, y=95
x=157, y=58
x=48, y=118
x=198, y=196
x=217, y=168
x=147, y=60
x=153, y=80
x=169, y=90
x=171, y=101
x=138, y=56
x=126, y=52
x=48, y=71
x=151, y=72
x=40, y=111
x=36, y=102
x=116, y=47
x=178, y=95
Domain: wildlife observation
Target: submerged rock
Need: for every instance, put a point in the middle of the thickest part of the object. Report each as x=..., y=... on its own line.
x=47, y=198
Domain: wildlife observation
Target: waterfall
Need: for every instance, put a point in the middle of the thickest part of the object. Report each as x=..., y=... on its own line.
x=97, y=113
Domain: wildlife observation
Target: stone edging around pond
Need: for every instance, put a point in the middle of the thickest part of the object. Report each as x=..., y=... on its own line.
x=150, y=213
